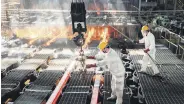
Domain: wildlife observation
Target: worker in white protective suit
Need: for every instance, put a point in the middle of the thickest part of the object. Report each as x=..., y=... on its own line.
x=150, y=50
x=116, y=68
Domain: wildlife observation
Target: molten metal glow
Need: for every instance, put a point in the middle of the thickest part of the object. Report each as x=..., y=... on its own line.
x=52, y=33
x=89, y=36
x=50, y=41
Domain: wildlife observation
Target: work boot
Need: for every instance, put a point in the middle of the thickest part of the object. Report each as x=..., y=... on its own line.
x=156, y=74
x=119, y=101
x=113, y=97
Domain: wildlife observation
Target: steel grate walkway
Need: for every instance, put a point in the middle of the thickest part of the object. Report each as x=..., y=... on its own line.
x=73, y=98
x=157, y=92
x=107, y=87
x=46, y=80
x=163, y=56
x=41, y=88
x=77, y=90
x=15, y=76
x=30, y=97
x=77, y=80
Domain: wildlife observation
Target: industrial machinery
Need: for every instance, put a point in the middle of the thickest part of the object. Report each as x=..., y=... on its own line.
x=78, y=16
x=46, y=44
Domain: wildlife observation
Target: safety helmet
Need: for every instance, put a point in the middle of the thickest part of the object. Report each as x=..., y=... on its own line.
x=102, y=45
x=145, y=28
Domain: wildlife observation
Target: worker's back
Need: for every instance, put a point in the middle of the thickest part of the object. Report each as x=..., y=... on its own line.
x=114, y=63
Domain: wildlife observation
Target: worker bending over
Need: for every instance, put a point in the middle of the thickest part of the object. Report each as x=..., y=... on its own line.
x=149, y=40
x=116, y=68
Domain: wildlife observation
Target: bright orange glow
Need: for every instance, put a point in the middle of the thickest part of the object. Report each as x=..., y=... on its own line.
x=105, y=36
x=50, y=41
x=90, y=33
x=62, y=33
x=51, y=33
x=32, y=41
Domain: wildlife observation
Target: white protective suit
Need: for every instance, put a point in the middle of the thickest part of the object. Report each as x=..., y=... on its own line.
x=116, y=68
x=149, y=41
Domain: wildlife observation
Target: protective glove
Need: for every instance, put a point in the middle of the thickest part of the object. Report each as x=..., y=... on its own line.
x=146, y=50
x=91, y=65
x=90, y=57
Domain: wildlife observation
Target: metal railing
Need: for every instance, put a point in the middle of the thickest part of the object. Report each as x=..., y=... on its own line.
x=171, y=40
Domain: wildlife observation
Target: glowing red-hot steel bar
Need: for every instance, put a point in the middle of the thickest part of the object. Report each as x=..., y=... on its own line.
x=94, y=99
x=58, y=90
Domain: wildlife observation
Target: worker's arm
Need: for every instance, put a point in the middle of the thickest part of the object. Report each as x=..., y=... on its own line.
x=98, y=64
x=101, y=63
x=98, y=56
x=142, y=40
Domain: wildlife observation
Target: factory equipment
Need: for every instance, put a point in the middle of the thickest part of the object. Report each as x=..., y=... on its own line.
x=14, y=82
x=78, y=15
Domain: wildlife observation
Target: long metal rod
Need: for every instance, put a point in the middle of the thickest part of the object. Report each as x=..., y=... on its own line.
x=151, y=58
x=58, y=90
x=121, y=33
x=175, y=3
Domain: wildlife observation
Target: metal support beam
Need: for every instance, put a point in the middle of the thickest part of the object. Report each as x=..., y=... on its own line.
x=175, y=3
x=139, y=9
x=139, y=6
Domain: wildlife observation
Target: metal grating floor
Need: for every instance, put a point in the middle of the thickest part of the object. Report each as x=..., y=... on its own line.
x=71, y=89
x=30, y=97
x=155, y=91
x=73, y=98
x=46, y=80
x=163, y=56
x=107, y=83
x=4, y=92
x=77, y=89
x=107, y=87
x=15, y=76
x=76, y=79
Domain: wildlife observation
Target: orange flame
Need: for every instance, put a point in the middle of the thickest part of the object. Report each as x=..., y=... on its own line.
x=89, y=36
x=50, y=41
x=105, y=36
x=57, y=33
x=101, y=33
